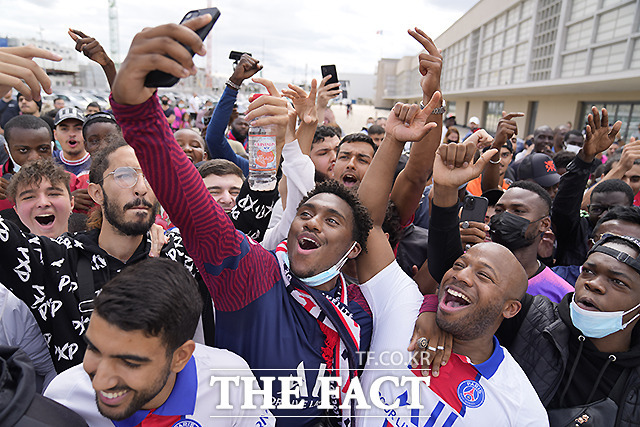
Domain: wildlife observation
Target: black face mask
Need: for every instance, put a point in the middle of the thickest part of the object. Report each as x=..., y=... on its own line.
x=509, y=230
x=165, y=102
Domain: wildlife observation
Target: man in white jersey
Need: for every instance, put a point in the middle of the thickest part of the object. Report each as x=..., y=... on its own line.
x=142, y=368
x=481, y=384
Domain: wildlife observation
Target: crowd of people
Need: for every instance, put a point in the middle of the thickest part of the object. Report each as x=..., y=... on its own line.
x=144, y=280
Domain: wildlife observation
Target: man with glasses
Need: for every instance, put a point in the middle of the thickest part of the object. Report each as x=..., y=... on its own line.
x=571, y=229
x=58, y=279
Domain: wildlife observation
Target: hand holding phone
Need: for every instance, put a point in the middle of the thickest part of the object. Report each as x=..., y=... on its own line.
x=159, y=78
x=148, y=52
x=474, y=208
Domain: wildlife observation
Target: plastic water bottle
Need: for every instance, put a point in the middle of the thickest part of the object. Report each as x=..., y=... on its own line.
x=262, y=158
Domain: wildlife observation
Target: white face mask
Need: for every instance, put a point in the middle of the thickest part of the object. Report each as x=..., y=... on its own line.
x=324, y=276
x=598, y=324
x=16, y=167
x=572, y=148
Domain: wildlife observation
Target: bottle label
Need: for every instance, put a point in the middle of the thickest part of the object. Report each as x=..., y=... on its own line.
x=264, y=153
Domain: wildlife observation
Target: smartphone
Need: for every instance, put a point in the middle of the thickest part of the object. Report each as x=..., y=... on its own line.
x=158, y=78
x=329, y=69
x=235, y=55
x=474, y=208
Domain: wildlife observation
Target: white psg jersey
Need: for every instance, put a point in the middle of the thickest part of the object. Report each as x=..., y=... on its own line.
x=191, y=403
x=494, y=393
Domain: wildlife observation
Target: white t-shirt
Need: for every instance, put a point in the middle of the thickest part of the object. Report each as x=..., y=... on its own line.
x=73, y=389
x=494, y=393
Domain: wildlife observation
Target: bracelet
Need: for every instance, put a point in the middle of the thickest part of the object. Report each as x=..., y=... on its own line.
x=232, y=85
x=439, y=110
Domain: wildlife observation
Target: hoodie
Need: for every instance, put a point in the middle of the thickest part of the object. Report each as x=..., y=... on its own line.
x=591, y=364
x=43, y=273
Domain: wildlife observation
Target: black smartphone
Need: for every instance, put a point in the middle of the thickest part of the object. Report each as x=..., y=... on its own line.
x=474, y=208
x=329, y=69
x=235, y=55
x=158, y=78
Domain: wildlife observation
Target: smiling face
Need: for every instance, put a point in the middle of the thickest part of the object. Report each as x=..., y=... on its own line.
x=606, y=284
x=323, y=155
x=224, y=189
x=69, y=135
x=129, y=370
x=131, y=211
x=352, y=162
x=192, y=144
x=320, y=234
x=483, y=287
x=44, y=208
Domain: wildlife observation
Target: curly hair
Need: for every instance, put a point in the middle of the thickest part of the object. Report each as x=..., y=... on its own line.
x=362, y=222
x=34, y=172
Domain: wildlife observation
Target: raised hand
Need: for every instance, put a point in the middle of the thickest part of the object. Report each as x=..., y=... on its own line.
x=599, y=136
x=270, y=110
x=507, y=127
x=90, y=47
x=148, y=52
x=305, y=104
x=430, y=62
x=481, y=138
x=327, y=92
x=247, y=67
x=454, y=164
x=19, y=71
x=407, y=122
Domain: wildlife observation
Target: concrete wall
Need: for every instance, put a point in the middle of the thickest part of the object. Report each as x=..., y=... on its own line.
x=552, y=109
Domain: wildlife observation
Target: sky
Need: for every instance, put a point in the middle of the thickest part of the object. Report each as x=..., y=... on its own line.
x=292, y=39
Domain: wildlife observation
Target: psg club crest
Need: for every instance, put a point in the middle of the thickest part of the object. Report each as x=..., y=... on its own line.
x=187, y=423
x=471, y=393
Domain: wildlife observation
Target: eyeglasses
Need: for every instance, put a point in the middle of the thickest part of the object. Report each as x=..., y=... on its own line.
x=125, y=177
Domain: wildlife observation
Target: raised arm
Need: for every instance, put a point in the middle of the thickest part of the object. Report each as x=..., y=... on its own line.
x=233, y=267
x=217, y=144
x=408, y=188
x=306, y=109
x=565, y=211
x=630, y=153
x=507, y=127
x=453, y=167
x=405, y=123
x=93, y=50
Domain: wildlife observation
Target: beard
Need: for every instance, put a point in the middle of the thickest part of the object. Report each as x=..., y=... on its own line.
x=471, y=325
x=140, y=397
x=115, y=216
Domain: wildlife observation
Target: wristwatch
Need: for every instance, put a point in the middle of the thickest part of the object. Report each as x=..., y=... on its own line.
x=439, y=110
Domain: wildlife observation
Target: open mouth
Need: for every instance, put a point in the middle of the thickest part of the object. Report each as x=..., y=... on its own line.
x=453, y=300
x=45, y=219
x=72, y=143
x=307, y=244
x=587, y=304
x=349, y=179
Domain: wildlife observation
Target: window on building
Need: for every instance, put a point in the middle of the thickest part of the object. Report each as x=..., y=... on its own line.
x=492, y=114
x=583, y=8
x=616, y=23
x=608, y=58
x=627, y=112
x=574, y=64
x=635, y=55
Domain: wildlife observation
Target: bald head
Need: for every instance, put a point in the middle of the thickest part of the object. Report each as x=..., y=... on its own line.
x=511, y=275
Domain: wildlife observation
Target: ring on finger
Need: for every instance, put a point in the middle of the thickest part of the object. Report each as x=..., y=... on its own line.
x=431, y=348
x=440, y=347
x=423, y=343
x=465, y=224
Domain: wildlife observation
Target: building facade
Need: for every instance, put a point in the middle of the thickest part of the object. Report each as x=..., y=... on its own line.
x=550, y=59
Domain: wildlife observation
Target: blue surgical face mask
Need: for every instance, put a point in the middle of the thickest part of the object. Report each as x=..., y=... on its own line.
x=598, y=324
x=325, y=276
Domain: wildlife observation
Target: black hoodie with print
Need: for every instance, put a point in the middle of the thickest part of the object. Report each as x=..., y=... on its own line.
x=43, y=273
